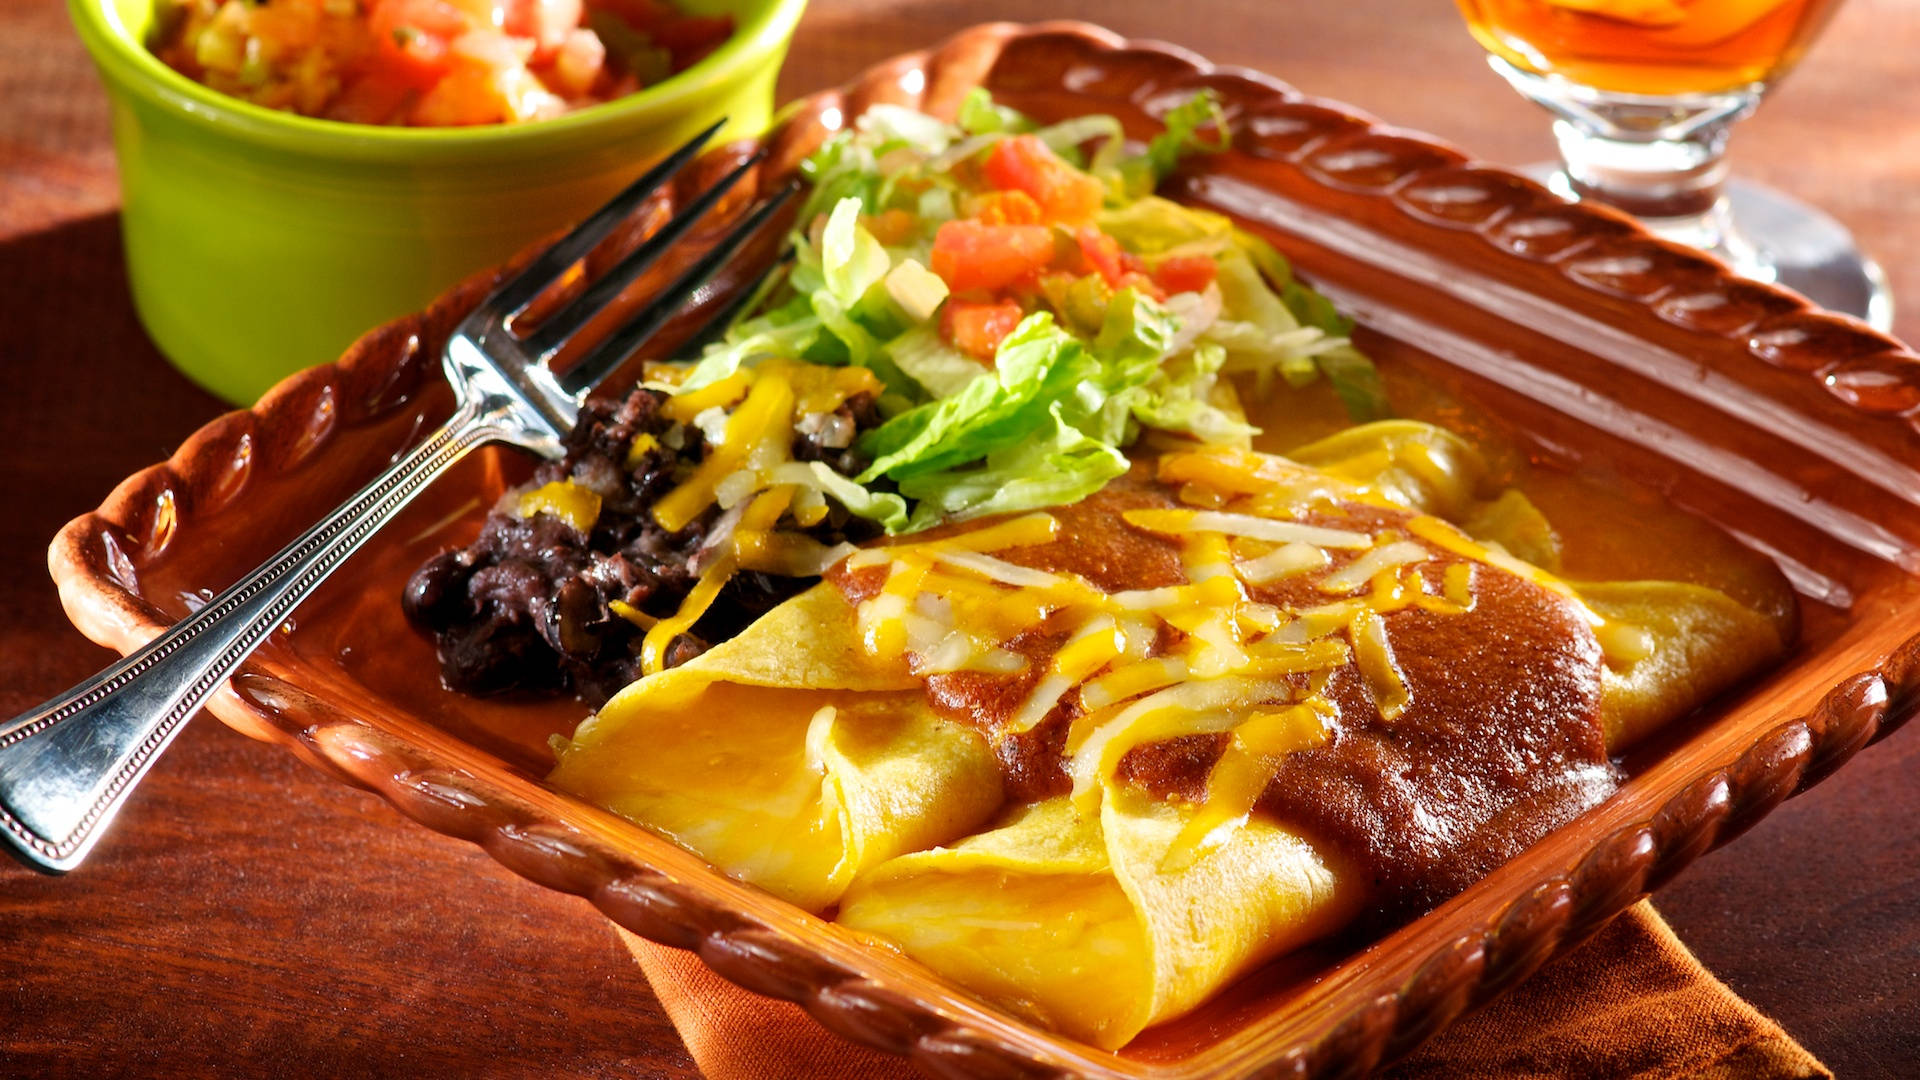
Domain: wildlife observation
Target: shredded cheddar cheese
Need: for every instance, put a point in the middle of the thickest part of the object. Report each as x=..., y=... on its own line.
x=632, y=614
x=764, y=418
x=642, y=445
x=1178, y=522
x=1245, y=768
x=682, y=408
x=1374, y=655
x=564, y=499
x=653, y=647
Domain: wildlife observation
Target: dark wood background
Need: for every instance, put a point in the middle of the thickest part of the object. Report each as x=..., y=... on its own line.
x=248, y=917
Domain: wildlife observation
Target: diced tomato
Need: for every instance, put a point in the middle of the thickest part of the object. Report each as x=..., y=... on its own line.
x=579, y=62
x=1142, y=284
x=374, y=99
x=978, y=328
x=545, y=21
x=1024, y=163
x=970, y=255
x=1185, y=273
x=1103, y=254
x=290, y=27
x=892, y=227
x=1004, y=208
x=412, y=38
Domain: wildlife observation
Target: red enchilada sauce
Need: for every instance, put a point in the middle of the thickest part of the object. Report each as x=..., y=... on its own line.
x=1501, y=741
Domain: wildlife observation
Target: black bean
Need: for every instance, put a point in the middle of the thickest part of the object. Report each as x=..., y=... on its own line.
x=525, y=606
x=436, y=593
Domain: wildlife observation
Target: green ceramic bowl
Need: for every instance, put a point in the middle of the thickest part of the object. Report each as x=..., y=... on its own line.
x=260, y=242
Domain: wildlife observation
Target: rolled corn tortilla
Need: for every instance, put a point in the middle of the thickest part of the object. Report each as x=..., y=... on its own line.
x=785, y=758
x=1072, y=921
x=794, y=758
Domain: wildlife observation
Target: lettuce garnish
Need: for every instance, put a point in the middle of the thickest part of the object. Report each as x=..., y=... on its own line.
x=1131, y=319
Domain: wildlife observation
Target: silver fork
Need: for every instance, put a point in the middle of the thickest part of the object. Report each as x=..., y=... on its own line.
x=66, y=766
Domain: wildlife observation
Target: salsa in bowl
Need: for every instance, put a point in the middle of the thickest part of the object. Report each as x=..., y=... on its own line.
x=433, y=63
x=260, y=241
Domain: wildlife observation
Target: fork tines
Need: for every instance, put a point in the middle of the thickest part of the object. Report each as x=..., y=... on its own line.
x=608, y=354
x=525, y=356
x=512, y=298
x=555, y=330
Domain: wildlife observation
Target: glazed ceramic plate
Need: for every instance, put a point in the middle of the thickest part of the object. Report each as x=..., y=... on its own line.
x=1600, y=345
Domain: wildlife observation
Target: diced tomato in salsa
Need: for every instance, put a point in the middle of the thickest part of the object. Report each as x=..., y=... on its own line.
x=970, y=255
x=545, y=21
x=977, y=329
x=1024, y=163
x=432, y=62
x=411, y=37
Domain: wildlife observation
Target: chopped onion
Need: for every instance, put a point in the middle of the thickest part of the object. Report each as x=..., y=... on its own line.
x=736, y=488
x=832, y=430
x=719, y=538
x=712, y=423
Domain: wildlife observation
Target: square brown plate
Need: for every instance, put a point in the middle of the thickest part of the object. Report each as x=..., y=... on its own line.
x=1791, y=428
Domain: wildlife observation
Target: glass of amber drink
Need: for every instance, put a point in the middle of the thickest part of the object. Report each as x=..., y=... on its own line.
x=1644, y=93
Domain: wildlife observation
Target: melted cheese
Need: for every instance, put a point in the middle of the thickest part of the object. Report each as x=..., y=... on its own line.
x=1374, y=656
x=1287, y=560
x=1180, y=522
x=1242, y=774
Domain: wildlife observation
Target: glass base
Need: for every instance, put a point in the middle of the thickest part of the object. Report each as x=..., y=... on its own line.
x=1772, y=237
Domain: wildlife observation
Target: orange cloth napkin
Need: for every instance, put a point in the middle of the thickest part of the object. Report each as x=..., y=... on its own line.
x=1630, y=1003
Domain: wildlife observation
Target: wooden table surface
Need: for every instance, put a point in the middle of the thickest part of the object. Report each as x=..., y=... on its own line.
x=247, y=917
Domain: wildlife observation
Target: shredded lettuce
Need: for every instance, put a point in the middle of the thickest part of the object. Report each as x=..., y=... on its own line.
x=1184, y=123
x=885, y=508
x=980, y=116
x=939, y=368
x=1182, y=398
x=1038, y=363
x=897, y=123
x=1052, y=464
x=1151, y=225
x=1069, y=136
x=842, y=168
x=1357, y=382
x=789, y=331
x=851, y=260
x=1087, y=367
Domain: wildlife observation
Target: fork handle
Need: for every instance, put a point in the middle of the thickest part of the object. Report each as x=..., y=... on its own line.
x=66, y=766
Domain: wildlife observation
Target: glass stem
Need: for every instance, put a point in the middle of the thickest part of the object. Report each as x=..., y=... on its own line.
x=1674, y=185
x=1661, y=159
